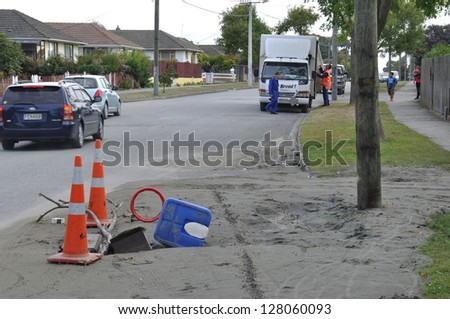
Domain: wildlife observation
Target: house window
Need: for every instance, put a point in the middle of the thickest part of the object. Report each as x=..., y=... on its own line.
x=68, y=51
x=52, y=49
x=30, y=49
x=87, y=51
x=167, y=55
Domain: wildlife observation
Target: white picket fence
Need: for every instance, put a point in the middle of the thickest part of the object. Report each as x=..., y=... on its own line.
x=210, y=78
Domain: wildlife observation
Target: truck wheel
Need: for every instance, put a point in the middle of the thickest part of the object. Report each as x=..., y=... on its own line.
x=310, y=102
x=305, y=108
x=262, y=107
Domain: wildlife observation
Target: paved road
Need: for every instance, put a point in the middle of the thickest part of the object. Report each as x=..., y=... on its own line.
x=33, y=168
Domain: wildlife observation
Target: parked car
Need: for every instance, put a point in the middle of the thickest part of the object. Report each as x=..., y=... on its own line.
x=383, y=76
x=98, y=85
x=48, y=111
x=341, y=79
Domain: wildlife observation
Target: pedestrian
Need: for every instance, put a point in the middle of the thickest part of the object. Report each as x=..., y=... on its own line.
x=417, y=81
x=273, y=93
x=391, y=82
x=325, y=76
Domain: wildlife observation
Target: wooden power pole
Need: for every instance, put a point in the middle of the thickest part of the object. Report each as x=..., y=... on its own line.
x=365, y=66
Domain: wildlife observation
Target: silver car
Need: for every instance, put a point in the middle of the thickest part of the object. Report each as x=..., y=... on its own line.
x=98, y=85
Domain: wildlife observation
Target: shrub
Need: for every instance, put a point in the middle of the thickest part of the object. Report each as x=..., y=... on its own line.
x=55, y=65
x=440, y=49
x=138, y=65
x=11, y=56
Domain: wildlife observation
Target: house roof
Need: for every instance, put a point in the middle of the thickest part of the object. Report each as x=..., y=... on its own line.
x=94, y=35
x=22, y=28
x=146, y=39
x=212, y=49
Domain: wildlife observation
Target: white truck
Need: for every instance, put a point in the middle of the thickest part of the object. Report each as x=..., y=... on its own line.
x=297, y=58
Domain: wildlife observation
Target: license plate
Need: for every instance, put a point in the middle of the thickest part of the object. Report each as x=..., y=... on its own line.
x=32, y=116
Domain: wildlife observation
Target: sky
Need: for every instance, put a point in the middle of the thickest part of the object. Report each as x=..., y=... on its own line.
x=195, y=20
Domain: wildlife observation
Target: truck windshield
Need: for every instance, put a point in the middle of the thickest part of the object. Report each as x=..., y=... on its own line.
x=289, y=71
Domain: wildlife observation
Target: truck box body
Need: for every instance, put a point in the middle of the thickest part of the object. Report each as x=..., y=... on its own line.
x=297, y=58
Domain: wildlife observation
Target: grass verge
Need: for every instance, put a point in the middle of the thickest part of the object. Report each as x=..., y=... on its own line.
x=147, y=94
x=437, y=247
x=400, y=147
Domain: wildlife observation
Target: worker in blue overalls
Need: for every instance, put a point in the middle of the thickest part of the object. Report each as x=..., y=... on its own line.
x=273, y=93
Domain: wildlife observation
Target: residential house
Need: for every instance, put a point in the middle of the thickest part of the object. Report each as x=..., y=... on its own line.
x=95, y=37
x=170, y=47
x=38, y=40
x=212, y=49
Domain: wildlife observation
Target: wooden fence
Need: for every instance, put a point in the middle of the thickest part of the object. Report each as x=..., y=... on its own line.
x=435, y=84
x=184, y=69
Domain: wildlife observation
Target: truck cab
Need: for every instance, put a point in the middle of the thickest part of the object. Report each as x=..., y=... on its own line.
x=293, y=77
x=296, y=58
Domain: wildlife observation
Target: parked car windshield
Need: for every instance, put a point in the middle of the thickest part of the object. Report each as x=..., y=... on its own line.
x=33, y=95
x=87, y=83
x=289, y=71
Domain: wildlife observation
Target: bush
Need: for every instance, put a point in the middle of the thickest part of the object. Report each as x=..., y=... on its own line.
x=111, y=62
x=134, y=67
x=30, y=66
x=138, y=65
x=440, y=49
x=91, y=64
x=167, y=77
x=219, y=63
x=56, y=65
x=11, y=56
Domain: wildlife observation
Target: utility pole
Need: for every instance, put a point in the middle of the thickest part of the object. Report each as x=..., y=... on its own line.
x=368, y=159
x=250, y=39
x=250, y=46
x=156, y=52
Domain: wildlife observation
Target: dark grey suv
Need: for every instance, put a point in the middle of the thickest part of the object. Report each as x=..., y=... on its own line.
x=48, y=111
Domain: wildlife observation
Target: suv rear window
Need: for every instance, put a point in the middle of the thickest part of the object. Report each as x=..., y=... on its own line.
x=33, y=95
x=87, y=83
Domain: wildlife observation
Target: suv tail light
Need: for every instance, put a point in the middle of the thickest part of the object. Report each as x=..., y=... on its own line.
x=1, y=113
x=98, y=93
x=68, y=113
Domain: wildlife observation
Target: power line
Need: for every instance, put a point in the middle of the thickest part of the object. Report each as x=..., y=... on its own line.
x=195, y=6
x=210, y=11
x=208, y=37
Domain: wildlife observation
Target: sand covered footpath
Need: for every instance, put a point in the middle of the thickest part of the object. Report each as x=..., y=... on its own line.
x=275, y=233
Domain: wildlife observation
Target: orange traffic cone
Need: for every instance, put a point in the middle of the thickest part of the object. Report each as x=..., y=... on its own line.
x=97, y=197
x=75, y=248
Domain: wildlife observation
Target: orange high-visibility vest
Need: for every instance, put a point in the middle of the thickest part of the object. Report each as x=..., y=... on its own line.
x=326, y=82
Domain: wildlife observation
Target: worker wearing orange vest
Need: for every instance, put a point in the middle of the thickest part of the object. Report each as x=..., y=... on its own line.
x=326, y=83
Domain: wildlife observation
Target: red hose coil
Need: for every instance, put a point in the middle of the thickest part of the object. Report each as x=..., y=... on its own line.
x=145, y=189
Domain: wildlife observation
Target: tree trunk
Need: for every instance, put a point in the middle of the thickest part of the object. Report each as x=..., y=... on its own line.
x=366, y=105
x=383, y=7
